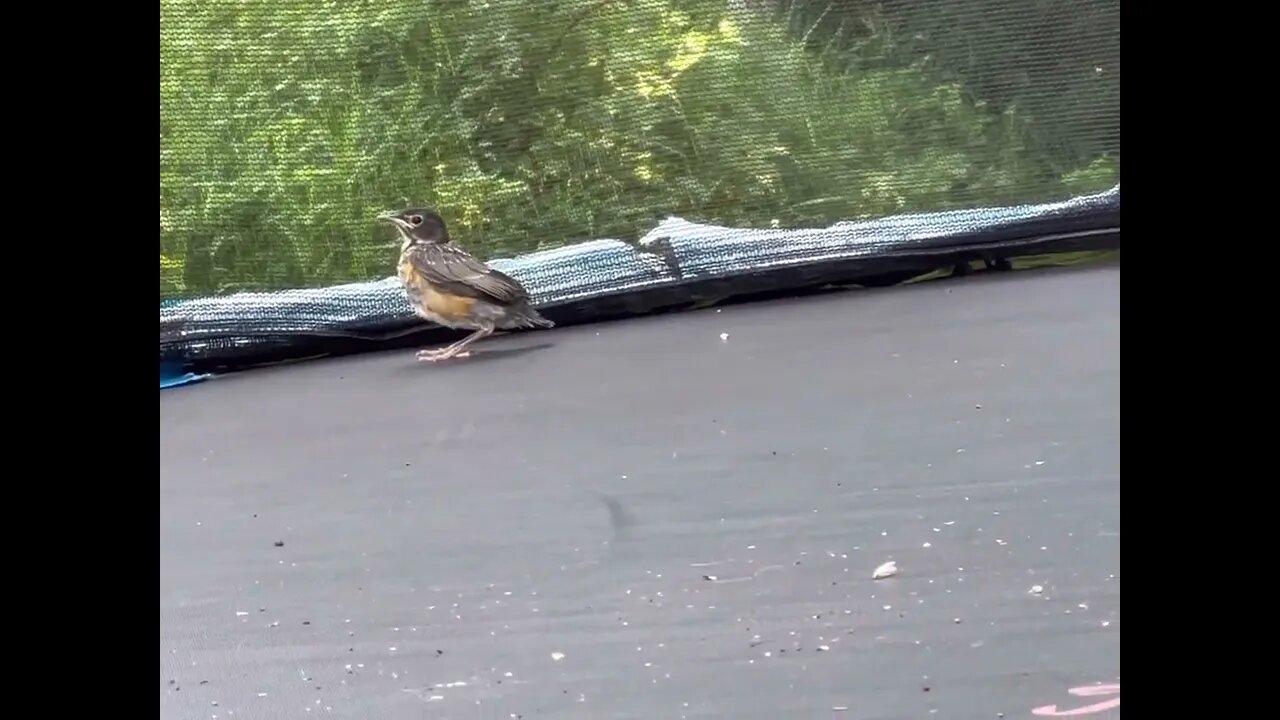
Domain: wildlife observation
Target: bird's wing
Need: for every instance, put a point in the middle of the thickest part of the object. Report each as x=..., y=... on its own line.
x=453, y=269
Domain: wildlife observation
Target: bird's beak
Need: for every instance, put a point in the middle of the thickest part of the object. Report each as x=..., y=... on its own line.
x=392, y=217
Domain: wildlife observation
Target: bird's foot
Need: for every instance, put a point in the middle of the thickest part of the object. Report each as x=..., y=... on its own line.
x=443, y=354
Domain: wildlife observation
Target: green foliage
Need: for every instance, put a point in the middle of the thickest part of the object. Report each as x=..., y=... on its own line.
x=286, y=127
x=1058, y=63
x=1099, y=175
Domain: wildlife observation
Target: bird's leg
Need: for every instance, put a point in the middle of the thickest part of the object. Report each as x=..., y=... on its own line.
x=455, y=349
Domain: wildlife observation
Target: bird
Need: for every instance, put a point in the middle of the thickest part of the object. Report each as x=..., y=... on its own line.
x=448, y=286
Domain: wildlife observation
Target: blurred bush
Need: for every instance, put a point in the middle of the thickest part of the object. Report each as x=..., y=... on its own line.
x=287, y=126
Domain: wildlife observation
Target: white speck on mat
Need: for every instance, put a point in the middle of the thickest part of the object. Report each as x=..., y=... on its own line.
x=888, y=569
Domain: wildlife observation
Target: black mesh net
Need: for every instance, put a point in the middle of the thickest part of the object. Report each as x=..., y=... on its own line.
x=615, y=156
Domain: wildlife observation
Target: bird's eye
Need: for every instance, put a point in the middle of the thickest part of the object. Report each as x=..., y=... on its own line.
x=415, y=219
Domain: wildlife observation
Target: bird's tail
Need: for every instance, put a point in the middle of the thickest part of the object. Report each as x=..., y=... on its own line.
x=529, y=317
x=536, y=319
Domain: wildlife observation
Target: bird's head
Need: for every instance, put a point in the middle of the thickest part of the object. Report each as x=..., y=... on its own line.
x=417, y=225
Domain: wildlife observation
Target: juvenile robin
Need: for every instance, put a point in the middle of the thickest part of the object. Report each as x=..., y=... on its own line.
x=450, y=287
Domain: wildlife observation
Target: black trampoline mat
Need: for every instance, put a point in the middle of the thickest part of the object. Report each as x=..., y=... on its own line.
x=670, y=517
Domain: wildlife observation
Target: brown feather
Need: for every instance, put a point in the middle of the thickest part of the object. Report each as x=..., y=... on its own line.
x=455, y=271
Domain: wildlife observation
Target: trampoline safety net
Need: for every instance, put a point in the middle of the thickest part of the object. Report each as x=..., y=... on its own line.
x=615, y=156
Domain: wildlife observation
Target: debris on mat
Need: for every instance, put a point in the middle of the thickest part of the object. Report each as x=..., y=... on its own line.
x=886, y=570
